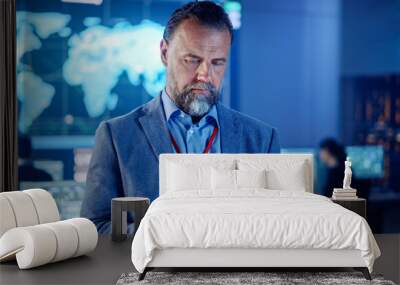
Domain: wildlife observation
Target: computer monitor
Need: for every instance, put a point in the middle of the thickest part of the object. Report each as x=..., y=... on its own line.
x=367, y=161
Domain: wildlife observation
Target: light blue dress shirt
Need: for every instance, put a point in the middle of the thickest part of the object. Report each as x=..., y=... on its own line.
x=190, y=137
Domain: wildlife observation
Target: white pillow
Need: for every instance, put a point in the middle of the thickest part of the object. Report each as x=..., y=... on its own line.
x=237, y=179
x=251, y=178
x=292, y=180
x=186, y=177
x=282, y=174
x=223, y=179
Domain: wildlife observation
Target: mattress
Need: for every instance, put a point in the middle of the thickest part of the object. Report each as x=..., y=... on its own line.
x=250, y=219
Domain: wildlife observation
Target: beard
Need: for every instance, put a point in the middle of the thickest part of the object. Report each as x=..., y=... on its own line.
x=197, y=104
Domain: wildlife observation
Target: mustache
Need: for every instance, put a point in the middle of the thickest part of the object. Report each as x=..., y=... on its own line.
x=201, y=85
x=195, y=104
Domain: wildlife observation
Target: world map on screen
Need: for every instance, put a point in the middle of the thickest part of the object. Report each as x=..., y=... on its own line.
x=93, y=60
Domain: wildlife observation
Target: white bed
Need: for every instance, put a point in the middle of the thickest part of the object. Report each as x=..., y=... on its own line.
x=201, y=220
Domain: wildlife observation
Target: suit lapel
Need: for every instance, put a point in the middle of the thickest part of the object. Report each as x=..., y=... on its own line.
x=231, y=130
x=155, y=128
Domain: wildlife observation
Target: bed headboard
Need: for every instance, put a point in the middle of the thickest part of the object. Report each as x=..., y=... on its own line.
x=213, y=159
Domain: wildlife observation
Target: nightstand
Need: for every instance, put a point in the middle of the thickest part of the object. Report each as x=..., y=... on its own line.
x=358, y=206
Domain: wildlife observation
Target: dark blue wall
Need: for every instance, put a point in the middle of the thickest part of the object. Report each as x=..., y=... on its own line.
x=371, y=37
x=289, y=67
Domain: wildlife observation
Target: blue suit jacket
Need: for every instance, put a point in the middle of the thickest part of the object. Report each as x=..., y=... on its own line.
x=125, y=156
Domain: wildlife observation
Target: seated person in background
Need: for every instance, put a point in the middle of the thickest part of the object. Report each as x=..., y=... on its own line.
x=26, y=170
x=332, y=155
x=185, y=118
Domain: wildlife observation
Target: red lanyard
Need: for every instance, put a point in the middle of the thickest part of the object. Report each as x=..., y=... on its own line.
x=206, y=149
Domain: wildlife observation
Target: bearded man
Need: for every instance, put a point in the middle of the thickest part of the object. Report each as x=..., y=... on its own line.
x=185, y=118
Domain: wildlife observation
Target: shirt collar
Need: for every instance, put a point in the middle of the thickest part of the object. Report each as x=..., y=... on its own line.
x=172, y=110
x=169, y=105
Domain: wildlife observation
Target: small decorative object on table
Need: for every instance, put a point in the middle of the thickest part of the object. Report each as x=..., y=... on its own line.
x=119, y=208
x=345, y=193
x=347, y=196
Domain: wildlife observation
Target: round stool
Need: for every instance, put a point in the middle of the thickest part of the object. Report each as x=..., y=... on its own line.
x=119, y=208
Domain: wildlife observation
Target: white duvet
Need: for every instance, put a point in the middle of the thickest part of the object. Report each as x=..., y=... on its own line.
x=251, y=218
